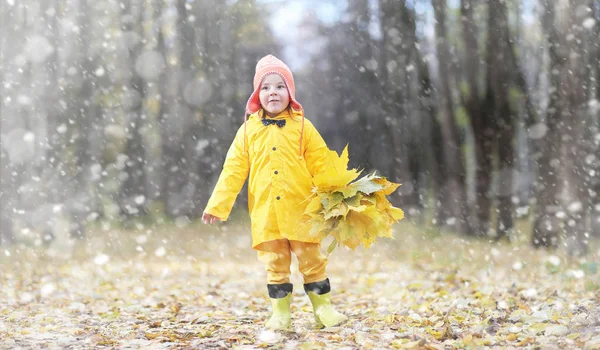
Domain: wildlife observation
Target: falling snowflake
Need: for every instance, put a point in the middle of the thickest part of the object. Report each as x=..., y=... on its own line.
x=502, y=305
x=554, y=260
x=38, y=49
x=160, y=252
x=150, y=65
x=578, y=274
x=589, y=23
x=99, y=72
x=47, y=290
x=101, y=259
x=29, y=137
x=575, y=207
x=269, y=337
x=529, y=293
x=141, y=239
x=26, y=297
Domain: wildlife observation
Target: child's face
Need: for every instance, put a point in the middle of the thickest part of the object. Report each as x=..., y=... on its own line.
x=274, y=96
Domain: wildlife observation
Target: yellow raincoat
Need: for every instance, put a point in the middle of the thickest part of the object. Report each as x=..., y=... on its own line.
x=280, y=180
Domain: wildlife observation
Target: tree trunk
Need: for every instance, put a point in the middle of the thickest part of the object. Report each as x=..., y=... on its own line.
x=7, y=189
x=363, y=109
x=202, y=130
x=397, y=44
x=454, y=197
x=574, y=118
x=9, y=27
x=431, y=150
x=211, y=38
x=546, y=226
x=131, y=195
x=53, y=141
x=419, y=125
x=85, y=109
x=174, y=118
x=505, y=124
x=594, y=118
x=151, y=106
x=479, y=112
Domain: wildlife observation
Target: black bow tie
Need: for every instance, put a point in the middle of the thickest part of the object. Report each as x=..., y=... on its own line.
x=279, y=122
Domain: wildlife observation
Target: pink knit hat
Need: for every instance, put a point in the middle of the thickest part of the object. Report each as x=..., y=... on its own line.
x=269, y=65
x=265, y=66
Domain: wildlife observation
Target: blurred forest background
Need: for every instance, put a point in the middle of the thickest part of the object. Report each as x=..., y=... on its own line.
x=121, y=112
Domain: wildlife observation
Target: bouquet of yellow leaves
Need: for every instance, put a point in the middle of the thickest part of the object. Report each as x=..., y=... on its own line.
x=352, y=212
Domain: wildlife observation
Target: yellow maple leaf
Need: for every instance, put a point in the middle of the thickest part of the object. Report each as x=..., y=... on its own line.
x=352, y=242
x=345, y=231
x=388, y=186
x=331, y=200
x=337, y=173
x=358, y=209
x=318, y=227
x=395, y=214
x=376, y=225
x=339, y=210
x=314, y=206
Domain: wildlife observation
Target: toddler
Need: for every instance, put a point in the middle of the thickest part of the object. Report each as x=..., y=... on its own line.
x=279, y=151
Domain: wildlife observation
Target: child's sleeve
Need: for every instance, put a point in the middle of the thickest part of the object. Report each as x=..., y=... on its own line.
x=315, y=151
x=232, y=178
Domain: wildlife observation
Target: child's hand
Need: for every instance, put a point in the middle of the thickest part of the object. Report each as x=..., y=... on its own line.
x=209, y=218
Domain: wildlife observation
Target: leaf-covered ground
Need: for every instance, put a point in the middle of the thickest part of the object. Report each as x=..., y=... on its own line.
x=196, y=287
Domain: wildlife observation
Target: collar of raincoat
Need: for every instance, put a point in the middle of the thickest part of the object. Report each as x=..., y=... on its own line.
x=293, y=114
x=286, y=113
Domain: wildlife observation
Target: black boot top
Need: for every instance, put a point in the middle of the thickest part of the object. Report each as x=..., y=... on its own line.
x=278, y=291
x=321, y=287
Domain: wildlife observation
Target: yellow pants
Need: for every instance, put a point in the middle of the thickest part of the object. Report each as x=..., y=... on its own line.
x=277, y=256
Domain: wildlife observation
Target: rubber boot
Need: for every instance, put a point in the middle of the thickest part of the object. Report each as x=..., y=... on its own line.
x=281, y=296
x=319, y=294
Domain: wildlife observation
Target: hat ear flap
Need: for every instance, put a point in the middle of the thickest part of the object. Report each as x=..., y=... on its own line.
x=295, y=105
x=253, y=104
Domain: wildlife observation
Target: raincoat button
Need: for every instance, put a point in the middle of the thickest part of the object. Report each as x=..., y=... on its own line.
x=276, y=172
x=278, y=198
x=274, y=148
